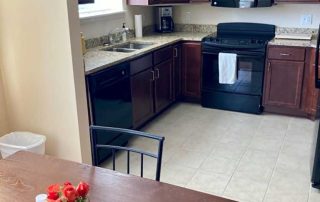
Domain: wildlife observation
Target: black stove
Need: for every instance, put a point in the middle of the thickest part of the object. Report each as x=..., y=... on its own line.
x=248, y=41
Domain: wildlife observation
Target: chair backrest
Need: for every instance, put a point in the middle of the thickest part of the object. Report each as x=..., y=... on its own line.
x=114, y=148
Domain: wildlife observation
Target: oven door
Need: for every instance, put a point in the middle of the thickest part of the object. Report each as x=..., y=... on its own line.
x=250, y=73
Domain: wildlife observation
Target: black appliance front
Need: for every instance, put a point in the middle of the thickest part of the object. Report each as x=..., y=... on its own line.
x=110, y=104
x=85, y=1
x=315, y=179
x=245, y=95
x=242, y=3
x=167, y=24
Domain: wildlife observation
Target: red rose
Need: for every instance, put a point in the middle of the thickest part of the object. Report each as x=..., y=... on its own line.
x=83, y=189
x=70, y=193
x=53, y=192
x=67, y=183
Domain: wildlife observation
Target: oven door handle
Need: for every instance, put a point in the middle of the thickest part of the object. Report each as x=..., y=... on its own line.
x=238, y=55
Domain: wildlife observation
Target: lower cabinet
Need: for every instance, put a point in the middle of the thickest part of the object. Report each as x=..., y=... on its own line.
x=191, y=68
x=142, y=96
x=177, y=72
x=163, y=85
x=283, y=84
x=289, y=82
x=151, y=85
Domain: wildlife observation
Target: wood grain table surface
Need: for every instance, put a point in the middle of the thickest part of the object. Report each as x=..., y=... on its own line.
x=24, y=175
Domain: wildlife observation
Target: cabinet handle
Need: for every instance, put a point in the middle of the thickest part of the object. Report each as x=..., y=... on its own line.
x=175, y=50
x=269, y=66
x=158, y=73
x=153, y=78
x=285, y=54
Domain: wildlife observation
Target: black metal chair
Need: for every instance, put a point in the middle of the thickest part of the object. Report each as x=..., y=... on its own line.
x=114, y=148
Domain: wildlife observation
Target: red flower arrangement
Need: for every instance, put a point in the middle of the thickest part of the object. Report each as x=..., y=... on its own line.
x=68, y=193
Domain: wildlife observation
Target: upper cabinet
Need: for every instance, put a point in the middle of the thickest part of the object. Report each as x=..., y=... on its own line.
x=155, y=2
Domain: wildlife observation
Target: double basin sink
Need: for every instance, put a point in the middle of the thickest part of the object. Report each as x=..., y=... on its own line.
x=128, y=47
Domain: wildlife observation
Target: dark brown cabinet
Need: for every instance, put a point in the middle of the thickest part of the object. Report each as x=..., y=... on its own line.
x=177, y=72
x=191, y=67
x=289, y=82
x=283, y=82
x=151, y=84
x=142, y=96
x=163, y=85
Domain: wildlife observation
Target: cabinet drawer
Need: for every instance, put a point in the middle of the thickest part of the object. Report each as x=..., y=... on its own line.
x=162, y=55
x=140, y=64
x=286, y=53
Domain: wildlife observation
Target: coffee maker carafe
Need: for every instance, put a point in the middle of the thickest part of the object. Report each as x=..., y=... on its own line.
x=164, y=21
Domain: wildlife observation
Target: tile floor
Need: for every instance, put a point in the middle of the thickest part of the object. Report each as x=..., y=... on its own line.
x=250, y=158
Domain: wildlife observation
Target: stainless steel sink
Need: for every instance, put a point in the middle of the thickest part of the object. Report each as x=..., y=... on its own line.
x=123, y=50
x=128, y=47
x=135, y=45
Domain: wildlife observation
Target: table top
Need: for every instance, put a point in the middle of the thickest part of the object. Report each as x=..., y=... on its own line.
x=24, y=175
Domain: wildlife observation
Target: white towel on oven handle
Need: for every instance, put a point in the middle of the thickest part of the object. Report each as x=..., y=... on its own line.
x=227, y=68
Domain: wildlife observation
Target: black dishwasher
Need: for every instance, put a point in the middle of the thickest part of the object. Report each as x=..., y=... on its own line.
x=110, y=104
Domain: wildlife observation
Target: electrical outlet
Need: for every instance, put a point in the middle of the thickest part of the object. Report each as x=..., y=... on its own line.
x=306, y=20
x=188, y=17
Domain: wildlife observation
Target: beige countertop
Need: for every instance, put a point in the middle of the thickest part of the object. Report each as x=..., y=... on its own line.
x=292, y=42
x=95, y=59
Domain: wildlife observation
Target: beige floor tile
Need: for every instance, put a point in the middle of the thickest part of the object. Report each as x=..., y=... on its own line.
x=247, y=169
x=209, y=182
x=314, y=195
x=294, y=163
x=245, y=189
x=261, y=158
x=219, y=165
x=177, y=175
x=286, y=198
x=266, y=144
x=286, y=182
x=231, y=151
x=188, y=159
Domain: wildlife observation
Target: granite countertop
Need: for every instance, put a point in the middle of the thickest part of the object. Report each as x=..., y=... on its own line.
x=292, y=42
x=95, y=59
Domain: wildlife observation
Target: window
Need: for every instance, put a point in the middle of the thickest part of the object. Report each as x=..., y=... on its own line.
x=100, y=7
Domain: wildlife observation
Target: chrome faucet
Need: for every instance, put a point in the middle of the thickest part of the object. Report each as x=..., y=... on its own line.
x=115, y=36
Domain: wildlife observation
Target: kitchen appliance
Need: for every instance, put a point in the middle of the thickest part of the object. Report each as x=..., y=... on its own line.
x=249, y=42
x=315, y=179
x=110, y=104
x=242, y=3
x=164, y=19
x=85, y=1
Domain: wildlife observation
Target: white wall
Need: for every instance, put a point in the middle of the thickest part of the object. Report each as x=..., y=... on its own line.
x=102, y=25
x=284, y=15
x=43, y=74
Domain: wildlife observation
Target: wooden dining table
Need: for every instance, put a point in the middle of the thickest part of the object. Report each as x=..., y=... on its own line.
x=25, y=175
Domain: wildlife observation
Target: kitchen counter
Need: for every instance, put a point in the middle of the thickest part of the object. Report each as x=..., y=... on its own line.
x=292, y=42
x=95, y=59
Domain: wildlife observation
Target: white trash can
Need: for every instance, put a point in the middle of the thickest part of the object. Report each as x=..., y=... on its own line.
x=17, y=141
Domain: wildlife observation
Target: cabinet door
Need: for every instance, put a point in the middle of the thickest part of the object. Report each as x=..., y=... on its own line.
x=283, y=84
x=298, y=1
x=177, y=71
x=191, y=65
x=199, y=1
x=142, y=96
x=163, y=85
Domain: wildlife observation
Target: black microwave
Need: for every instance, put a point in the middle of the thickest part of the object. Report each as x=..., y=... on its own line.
x=242, y=3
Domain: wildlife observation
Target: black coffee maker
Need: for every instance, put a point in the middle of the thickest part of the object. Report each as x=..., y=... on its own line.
x=164, y=20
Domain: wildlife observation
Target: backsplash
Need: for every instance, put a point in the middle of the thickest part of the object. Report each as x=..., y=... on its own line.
x=100, y=41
